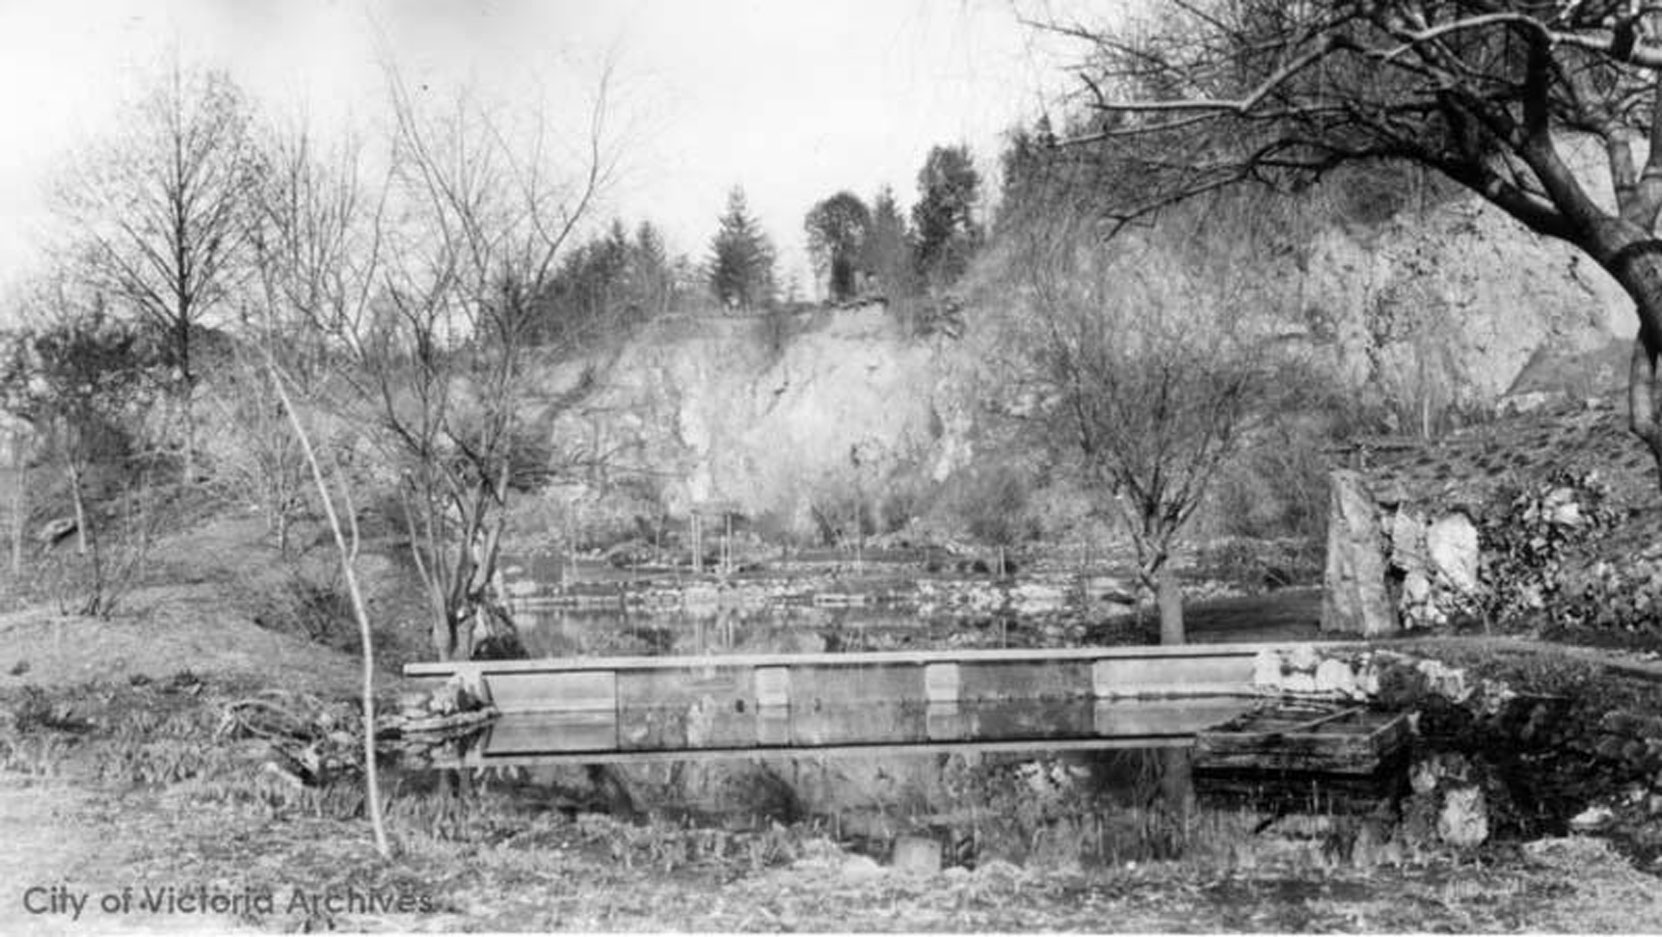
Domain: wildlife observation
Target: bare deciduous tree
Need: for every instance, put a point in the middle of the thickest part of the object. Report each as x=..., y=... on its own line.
x=1144, y=377
x=164, y=209
x=1493, y=95
x=78, y=376
x=432, y=286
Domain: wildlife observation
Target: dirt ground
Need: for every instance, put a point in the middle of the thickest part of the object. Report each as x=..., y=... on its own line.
x=545, y=876
x=183, y=628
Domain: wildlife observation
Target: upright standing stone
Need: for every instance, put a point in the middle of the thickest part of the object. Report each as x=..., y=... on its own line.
x=1355, y=597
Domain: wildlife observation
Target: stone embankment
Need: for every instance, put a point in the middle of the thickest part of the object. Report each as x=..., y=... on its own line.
x=1475, y=735
x=1529, y=524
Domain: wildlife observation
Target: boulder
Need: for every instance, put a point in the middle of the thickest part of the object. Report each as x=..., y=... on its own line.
x=1356, y=599
x=1406, y=531
x=1451, y=543
x=1463, y=819
x=1336, y=676
x=920, y=855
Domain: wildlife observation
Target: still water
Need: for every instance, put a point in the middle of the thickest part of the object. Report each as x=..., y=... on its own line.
x=1079, y=788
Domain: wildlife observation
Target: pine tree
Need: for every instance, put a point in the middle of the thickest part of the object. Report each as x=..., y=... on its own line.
x=651, y=278
x=944, y=218
x=741, y=262
x=887, y=252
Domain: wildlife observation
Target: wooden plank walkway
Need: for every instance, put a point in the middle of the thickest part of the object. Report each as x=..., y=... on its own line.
x=647, y=708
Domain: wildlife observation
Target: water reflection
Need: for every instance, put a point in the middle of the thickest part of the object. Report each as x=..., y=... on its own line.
x=664, y=733
x=1072, y=781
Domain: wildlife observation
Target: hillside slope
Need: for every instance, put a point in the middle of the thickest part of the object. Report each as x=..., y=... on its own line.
x=1426, y=313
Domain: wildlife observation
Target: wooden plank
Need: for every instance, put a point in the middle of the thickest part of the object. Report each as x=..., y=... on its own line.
x=1154, y=718
x=773, y=686
x=1154, y=676
x=773, y=726
x=876, y=722
x=945, y=721
x=942, y=683
x=480, y=758
x=1310, y=724
x=836, y=683
x=1154, y=654
x=1031, y=719
x=544, y=734
x=1347, y=742
x=1281, y=760
x=686, y=709
x=1026, y=680
x=575, y=691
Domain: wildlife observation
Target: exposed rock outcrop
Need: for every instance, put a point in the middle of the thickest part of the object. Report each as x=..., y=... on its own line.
x=1355, y=598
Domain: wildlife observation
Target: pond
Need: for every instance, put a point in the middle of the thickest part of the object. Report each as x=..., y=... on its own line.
x=1069, y=782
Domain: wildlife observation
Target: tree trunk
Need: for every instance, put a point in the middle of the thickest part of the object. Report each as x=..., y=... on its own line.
x=1641, y=401
x=1169, y=595
x=79, y=500
x=1636, y=263
x=20, y=501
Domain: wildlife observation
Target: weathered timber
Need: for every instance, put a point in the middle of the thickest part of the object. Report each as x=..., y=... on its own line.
x=597, y=708
x=1191, y=670
x=1293, y=739
x=593, y=737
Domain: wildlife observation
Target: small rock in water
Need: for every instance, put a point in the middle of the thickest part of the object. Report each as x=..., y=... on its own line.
x=1007, y=871
x=1464, y=819
x=1299, y=683
x=1303, y=658
x=919, y=854
x=1266, y=670
x=1336, y=676
x=860, y=868
x=1426, y=774
x=1596, y=817
x=412, y=702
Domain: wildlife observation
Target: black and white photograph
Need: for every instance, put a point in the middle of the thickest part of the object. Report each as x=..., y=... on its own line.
x=831, y=466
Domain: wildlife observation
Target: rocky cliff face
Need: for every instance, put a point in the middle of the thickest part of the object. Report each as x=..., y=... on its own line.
x=768, y=415
x=1430, y=310
x=1452, y=303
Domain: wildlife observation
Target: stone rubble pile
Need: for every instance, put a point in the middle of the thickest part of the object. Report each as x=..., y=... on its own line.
x=1518, y=555
x=1391, y=565
x=1454, y=794
x=1371, y=675
x=429, y=717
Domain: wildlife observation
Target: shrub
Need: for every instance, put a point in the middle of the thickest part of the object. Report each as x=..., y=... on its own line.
x=1276, y=489
x=992, y=503
x=1528, y=535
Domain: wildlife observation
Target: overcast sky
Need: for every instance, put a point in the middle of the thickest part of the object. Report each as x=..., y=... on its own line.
x=793, y=99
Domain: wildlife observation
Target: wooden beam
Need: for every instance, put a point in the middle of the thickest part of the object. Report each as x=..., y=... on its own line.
x=476, y=760
x=862, y=658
